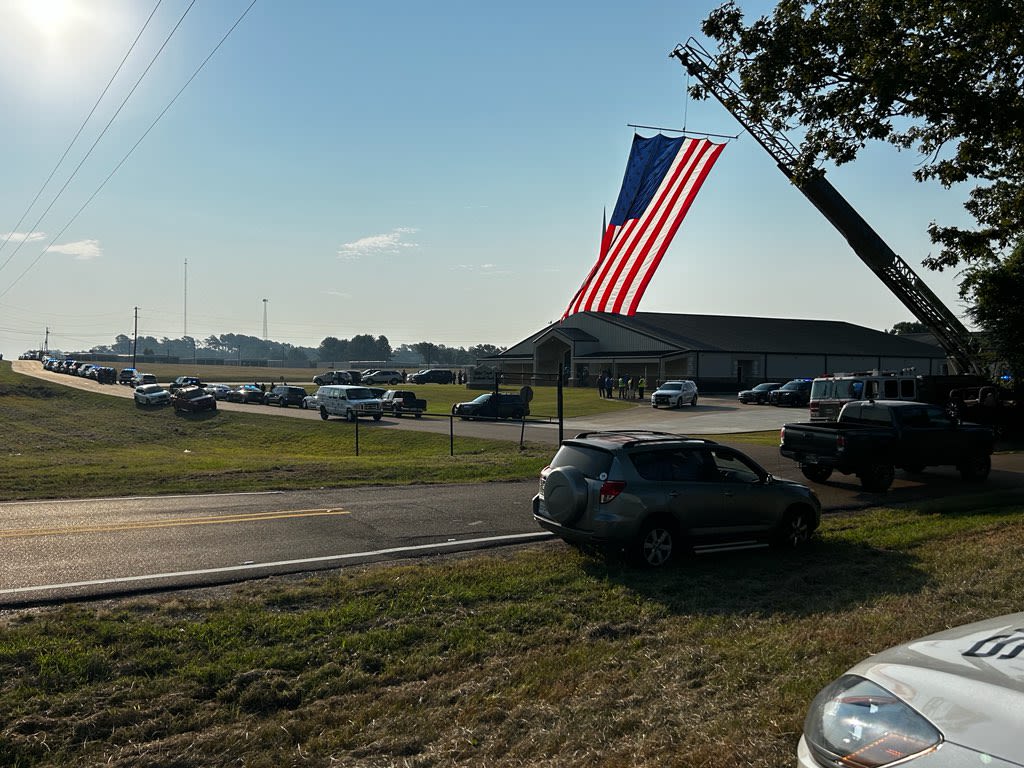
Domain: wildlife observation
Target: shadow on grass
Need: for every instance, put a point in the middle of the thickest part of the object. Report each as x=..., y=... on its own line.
x=832, y=575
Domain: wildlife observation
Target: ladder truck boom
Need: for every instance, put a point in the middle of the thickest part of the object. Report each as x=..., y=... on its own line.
x=890, y=268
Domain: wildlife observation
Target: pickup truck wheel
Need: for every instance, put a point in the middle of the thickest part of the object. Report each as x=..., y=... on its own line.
x=976, y=469
x=565, y=494
x=794, y=531
x=376, y=417
x=877, y=477
x=417, y=415
x=656, y=544
x=323, y=413
x=817, y=473
x=283, y=403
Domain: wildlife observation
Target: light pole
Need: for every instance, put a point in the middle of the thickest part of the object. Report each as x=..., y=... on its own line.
x=265, y=319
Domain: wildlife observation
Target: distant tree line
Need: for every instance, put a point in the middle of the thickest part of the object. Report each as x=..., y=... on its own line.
x=234, y=346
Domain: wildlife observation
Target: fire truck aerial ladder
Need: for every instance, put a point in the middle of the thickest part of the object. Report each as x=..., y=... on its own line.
x=866, y=243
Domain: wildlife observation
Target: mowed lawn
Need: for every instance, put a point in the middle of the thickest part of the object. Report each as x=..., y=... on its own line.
x=60, y=442
x=537, y=656
x=530, y=656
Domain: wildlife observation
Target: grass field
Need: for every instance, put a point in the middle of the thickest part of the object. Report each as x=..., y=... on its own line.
x=532, y=657
x=59, y=442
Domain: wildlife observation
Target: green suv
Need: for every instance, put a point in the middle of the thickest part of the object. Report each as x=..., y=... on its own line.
x=655, y=494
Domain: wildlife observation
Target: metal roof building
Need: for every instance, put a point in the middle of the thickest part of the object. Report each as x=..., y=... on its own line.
x=718, y=351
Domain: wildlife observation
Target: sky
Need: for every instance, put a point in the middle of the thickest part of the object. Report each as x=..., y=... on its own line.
x=423, y=171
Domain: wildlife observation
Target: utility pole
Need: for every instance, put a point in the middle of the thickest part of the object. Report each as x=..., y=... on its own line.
x=185, y=310
x=265, y=319
x=135, y=337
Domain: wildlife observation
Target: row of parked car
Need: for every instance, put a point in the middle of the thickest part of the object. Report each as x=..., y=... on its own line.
x=384, y=376
x=796, y=392
x=101, y=373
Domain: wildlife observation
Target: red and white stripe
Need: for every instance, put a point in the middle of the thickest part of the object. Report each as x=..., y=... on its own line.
x=631, y=252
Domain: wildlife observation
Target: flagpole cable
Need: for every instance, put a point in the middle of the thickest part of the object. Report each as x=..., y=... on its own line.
x=685, y=131
x=686, y=100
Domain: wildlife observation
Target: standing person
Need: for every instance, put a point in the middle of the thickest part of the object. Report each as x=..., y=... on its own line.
x=600, y=385
x=608, y=386
x=640, y=385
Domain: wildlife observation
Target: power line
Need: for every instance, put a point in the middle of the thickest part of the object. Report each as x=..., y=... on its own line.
x=136, y=144
x=77, y=134
x=97, y=141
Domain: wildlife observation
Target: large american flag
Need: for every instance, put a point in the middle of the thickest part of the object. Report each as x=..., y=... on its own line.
x=662, y=178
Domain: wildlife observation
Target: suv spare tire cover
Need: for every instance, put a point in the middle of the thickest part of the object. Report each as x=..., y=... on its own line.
x=565, y=494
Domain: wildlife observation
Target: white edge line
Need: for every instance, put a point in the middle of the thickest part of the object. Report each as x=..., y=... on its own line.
x=254, y=566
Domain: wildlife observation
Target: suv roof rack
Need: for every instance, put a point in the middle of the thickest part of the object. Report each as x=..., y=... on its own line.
x=645, y=436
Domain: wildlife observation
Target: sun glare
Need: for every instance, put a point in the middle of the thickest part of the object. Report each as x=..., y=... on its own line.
x=49, y=16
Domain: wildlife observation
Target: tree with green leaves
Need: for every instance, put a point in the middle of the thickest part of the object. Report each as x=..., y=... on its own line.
x=899, y=329
x=998, y=293
x=427, y=351
x=942, y=77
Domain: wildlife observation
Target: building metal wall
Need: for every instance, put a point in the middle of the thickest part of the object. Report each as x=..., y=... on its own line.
x=616, y=338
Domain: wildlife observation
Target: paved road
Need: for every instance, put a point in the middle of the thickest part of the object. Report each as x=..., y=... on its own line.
x=63, y=549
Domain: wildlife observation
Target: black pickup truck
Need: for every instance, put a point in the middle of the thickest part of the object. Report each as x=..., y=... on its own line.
x=874, y=437
x=399, y=402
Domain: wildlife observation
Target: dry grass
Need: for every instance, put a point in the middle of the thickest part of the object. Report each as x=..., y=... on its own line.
x=538, y=657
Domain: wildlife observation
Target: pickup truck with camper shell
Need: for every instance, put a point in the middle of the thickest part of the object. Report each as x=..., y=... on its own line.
x=399, y=402
x=872, y=438
x=348, y=401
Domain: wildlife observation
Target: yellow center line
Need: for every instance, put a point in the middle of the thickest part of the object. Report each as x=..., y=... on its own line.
x=14, y=533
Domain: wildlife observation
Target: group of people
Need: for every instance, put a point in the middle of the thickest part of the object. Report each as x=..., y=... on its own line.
x=624, y=387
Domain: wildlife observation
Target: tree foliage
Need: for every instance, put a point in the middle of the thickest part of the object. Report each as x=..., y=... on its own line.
x=997, y=291
x=899, y=329
x=943, y=77
x=361, y=347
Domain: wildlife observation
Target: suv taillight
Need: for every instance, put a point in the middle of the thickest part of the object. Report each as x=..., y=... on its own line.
x=610, y=489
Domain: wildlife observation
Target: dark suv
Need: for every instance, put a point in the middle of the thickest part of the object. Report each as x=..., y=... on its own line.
x=654, y=494
x=432, y=376
x=493, y=405
x=193, y=399
x=284, y=396
x=795, y=392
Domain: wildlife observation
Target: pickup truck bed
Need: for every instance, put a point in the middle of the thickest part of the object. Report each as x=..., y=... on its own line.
x=874, y=438
x=399, y=402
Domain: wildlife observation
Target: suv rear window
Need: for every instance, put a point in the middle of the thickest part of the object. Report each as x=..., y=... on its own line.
x=590, y=461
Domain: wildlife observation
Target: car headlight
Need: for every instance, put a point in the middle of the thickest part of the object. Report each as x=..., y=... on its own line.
x=854, y=723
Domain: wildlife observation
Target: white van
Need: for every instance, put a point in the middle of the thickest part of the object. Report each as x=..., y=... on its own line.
x=348, y=401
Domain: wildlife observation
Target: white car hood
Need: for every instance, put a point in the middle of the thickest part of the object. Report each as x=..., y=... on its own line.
x=968, y=681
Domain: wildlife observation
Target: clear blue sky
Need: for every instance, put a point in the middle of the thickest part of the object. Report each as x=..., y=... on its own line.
x=426, y=171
